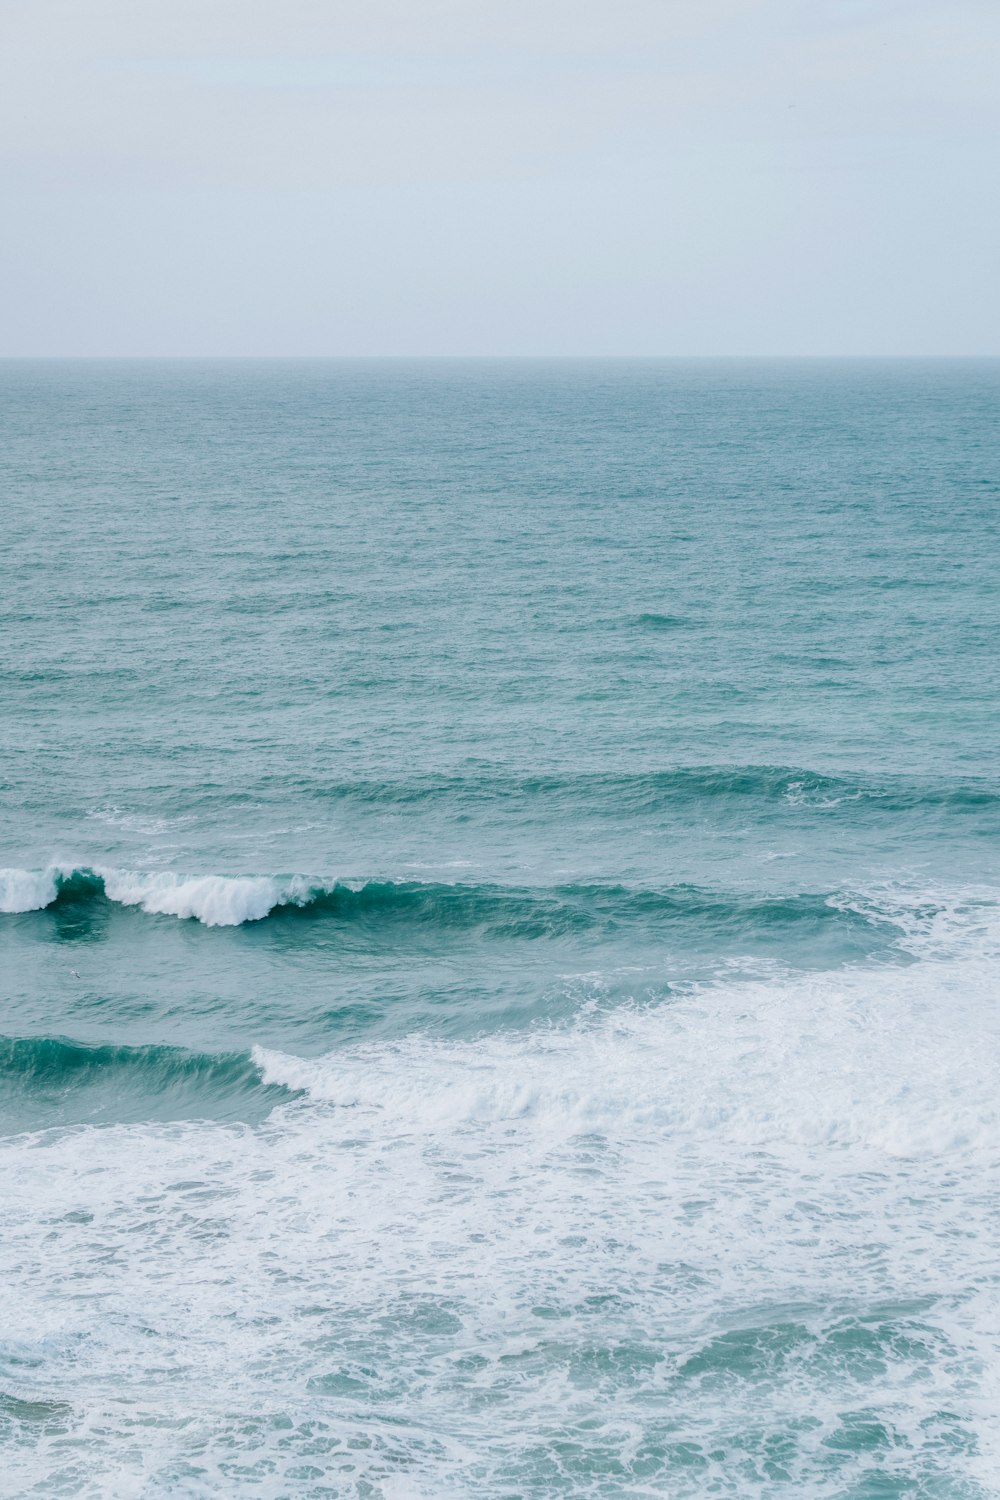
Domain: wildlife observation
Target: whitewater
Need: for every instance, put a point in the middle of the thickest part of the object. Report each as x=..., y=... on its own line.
x=499, y=921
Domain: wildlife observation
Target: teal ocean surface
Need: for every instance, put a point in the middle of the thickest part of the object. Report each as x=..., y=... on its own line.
x=500, y=930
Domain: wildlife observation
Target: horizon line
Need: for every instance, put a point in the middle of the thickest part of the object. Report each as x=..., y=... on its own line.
x=22, y=357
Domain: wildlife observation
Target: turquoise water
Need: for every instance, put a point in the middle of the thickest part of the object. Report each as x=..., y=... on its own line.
x=501, y=914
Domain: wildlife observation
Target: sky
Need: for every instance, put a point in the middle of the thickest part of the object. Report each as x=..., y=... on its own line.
x=499, y=177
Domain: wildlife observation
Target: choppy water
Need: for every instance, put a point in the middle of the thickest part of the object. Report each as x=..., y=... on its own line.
x=501, y=930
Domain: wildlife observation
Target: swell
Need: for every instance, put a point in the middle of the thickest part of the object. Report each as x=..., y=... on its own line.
x=684, y=787
x=46, y=1081
x=495, y=910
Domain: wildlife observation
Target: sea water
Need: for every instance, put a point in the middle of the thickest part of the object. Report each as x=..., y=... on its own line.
x=501, y=923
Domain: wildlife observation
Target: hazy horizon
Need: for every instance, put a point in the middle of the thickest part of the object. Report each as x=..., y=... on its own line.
x=540, y=357
x=433, y=179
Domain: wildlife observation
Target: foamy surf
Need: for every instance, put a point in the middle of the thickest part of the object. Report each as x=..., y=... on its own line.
x=713, y=1228
x=28, y=890
x=895, y=1063
x=213, y=900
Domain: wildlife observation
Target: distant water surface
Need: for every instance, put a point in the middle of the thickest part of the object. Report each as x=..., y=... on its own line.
x=500, y=929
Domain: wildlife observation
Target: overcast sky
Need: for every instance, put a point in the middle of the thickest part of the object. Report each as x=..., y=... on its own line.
x=500, y=176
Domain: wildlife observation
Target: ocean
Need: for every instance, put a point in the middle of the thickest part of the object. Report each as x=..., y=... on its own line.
x=500, y=929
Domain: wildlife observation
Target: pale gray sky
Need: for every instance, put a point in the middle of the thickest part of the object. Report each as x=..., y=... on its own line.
x=499, y=176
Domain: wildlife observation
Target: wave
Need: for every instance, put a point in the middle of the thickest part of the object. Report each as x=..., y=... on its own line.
x=653, y=621
x=775, y=787
x=498, y=910
x=32, y=890
x=900, y=1061
x=46, y=1081
x=901, y=1058
x=215, y=900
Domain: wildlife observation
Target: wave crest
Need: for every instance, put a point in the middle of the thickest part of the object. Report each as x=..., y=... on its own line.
x=51, y=1080
x=828, y=929
x=215, y=900
x=27, y=890
x=504, y=911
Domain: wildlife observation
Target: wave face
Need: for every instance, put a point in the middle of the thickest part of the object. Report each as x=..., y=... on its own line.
x=50, y=1081
x=396, y=924
x=230, y=901
x=607, y=1105
x=215, y=900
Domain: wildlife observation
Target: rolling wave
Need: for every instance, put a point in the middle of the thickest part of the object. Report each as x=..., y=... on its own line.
x=499, y=910
x=683, y=787
x=47, y=1081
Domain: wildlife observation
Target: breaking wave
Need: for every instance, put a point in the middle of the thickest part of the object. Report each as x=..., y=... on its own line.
x=501, y=911
x=899, y=1063
x=47, y=1081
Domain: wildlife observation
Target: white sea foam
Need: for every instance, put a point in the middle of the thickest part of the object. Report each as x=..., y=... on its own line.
x=146, y=824
x=900, y=1061
x=941, y=922
x=27, y=890
x=216, y=900
x=665, y=1244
